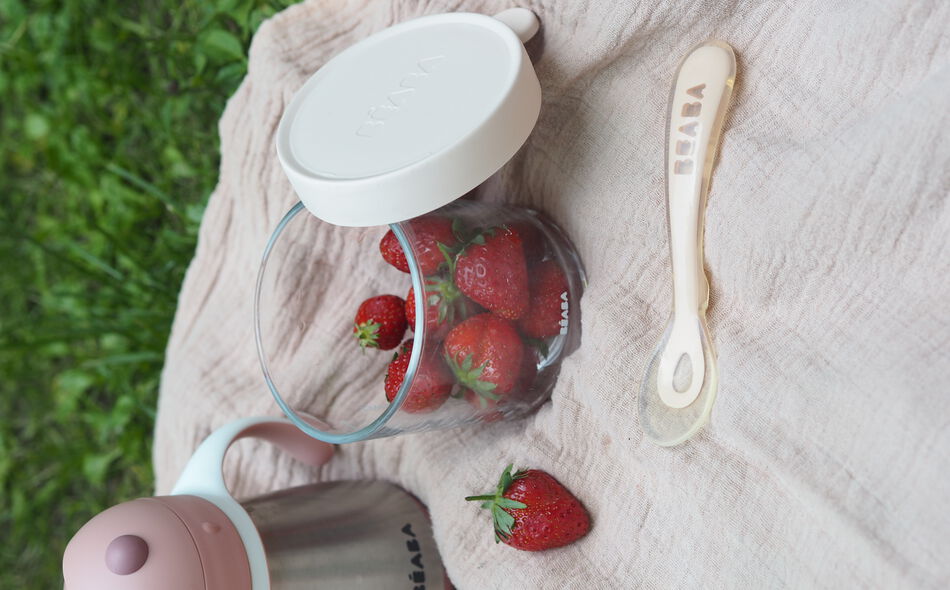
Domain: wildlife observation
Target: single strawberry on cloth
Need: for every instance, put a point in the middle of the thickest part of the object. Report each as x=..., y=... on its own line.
x=532, y=511
x=825, y=461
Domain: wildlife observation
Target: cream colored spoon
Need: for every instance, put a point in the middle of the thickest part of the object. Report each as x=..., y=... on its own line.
x=679, y=388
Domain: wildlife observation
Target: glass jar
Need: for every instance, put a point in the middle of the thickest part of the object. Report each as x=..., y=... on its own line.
x=379, y=144
x=501, y=310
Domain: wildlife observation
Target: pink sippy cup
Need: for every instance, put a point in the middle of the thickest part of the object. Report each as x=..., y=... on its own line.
x=347, y=534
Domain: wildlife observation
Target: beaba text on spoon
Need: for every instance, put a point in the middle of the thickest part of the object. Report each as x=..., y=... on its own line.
x=678, y=390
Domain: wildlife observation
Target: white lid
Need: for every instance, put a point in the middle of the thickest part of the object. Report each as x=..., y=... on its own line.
x=411, y=118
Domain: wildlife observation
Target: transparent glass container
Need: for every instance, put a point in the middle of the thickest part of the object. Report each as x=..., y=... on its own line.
x=503, y=286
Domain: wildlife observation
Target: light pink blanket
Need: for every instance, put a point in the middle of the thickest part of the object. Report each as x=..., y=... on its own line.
x=827, y=461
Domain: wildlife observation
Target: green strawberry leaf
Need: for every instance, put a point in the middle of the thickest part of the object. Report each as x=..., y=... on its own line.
x=443, y=292
x=443, y=313
x=468, y=377
x=450, y=255
x=367, y=334
x=475, y=237
x=505, y=480
x=503, y=522
x=509, y=503
x=458, y=229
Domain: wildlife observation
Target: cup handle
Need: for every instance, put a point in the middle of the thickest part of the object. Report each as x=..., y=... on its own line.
x=203, y=475
x=520, y=20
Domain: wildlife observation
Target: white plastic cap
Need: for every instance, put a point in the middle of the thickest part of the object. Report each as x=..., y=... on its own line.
x=411, y=118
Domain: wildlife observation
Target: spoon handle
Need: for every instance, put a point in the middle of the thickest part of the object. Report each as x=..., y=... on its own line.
x=700, y=98
x=698, y=105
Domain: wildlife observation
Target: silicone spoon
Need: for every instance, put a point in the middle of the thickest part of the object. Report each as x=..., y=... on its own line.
x=679, y=388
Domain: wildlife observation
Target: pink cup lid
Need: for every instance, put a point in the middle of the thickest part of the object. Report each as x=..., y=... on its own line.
x=182, y=542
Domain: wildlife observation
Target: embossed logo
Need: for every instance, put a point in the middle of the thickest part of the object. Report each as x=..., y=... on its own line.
x=563, y=323
x=377, y=116
x=685, y=147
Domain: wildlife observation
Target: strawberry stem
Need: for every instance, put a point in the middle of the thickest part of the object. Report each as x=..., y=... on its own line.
x=480, y=498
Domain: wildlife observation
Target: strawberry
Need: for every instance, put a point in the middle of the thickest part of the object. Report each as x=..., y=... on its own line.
x=484, y=352
x=431, y=386
x=547, y=301
x=380, y=322
x=533, y=512
x=426, y=233
x=490, y=410
x=491, y=271
x=444, y=303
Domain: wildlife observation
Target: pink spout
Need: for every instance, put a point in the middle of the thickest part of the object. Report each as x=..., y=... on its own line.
x=126, y=554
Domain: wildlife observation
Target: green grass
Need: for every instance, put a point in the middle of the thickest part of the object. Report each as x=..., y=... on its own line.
x=109, y=149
